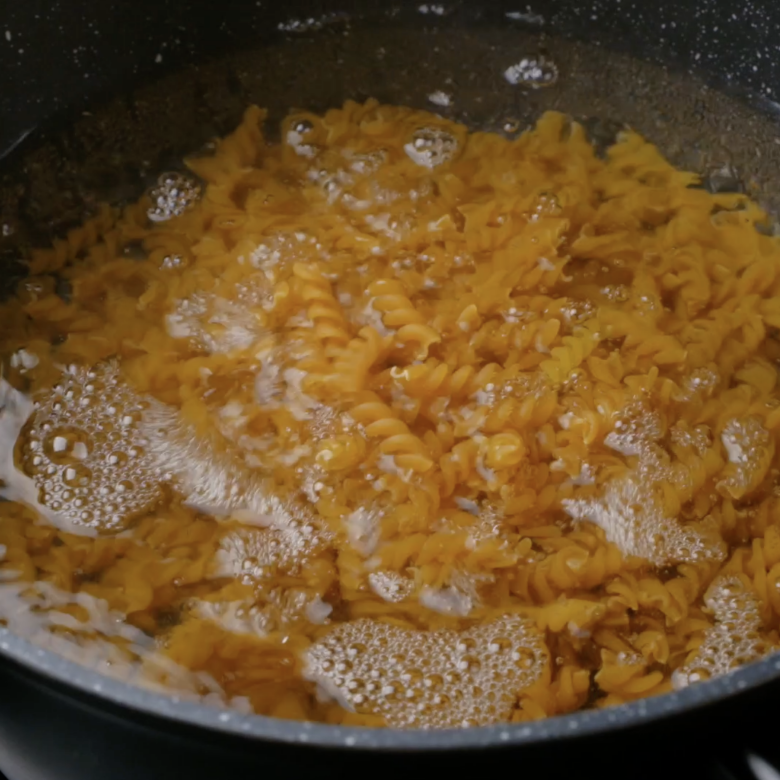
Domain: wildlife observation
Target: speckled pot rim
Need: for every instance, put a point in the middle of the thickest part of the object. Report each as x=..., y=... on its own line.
x=56, y=668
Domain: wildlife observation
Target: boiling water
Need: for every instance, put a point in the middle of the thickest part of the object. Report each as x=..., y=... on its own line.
x=90, y=456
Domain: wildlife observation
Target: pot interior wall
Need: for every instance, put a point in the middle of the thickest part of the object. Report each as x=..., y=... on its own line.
x=113, y=147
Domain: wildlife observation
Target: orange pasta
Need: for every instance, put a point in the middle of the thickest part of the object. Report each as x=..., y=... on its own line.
x=400, y=425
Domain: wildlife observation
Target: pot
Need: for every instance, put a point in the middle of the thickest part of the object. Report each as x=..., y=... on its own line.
x=97, y=98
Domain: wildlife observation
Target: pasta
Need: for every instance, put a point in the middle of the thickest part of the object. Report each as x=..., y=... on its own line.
x=393, y=424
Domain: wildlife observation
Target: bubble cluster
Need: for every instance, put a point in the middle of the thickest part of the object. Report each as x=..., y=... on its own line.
x=632, y=511
x=211, y=475
x=170, y=262
x=87, y=452
x=173, y=194
x=296, y=136
x=333, y=183
x=733, y=640
x=431, y=147
x=281, y=608
x=235, y=617
x=15, y=410
x=391, y=586
x=275, y=253
x=488, y=524
x=221, y=325
x=701, y=383
x=363, y=529
x=699, y=437
x=344, y=178
x=750, y=448
x=436, y=679
x=97, y=455
x=534, y=72
x=634, y=519
x=575, y=312
x=254, y=554
x=636, y=429
x=367, y=162
x=312, y=23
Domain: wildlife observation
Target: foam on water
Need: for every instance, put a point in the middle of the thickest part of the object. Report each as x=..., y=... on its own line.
x=281, y=608
x=86, y=464
x=630, y=509
x=431, y=147
x=235, y=617
x=750, y=448
x=534, y=72
x=221, y=325
x=95, y=455
x=15, y=409
x=391, y=586
x=103, y=641
x=252, y=554
x=24, y=360
x=446, y=601
x=488, y=522
x=173, y=194
x=632, y=517
x=428, y=679
x=733, y=640
x=700, y=384
x=363, y=529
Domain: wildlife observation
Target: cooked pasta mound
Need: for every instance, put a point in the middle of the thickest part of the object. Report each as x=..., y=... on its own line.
x=395, y=424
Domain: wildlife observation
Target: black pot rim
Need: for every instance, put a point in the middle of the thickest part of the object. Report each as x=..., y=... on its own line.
x=55, y=668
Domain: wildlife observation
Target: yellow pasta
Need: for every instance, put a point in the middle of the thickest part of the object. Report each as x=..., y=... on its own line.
x=419, y=414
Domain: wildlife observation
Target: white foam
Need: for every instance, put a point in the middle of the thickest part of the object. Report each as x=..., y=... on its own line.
x=173, y=194
x=15, y=410
x=431, y=147
x=24, y=360
x=297, y=141
x=363, y=529
x=528, y=16
x=734, y=638
x=534, y=72
x=440, y=98
x=629, y=510
x=428, y=679
x=318, y=611
x=446, y=601
x=33, y=611
x=391, y=586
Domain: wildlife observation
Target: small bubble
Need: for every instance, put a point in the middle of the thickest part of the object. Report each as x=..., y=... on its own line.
x=303, y=126
x=431, y=147
x=63, y=445
x=174, y=194
x=76, y=475
x=534, y=72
